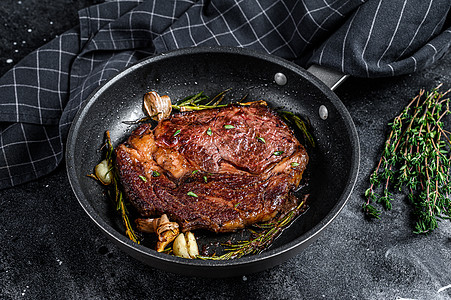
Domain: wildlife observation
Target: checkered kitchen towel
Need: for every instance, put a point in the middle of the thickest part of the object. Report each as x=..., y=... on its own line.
x=41, y=94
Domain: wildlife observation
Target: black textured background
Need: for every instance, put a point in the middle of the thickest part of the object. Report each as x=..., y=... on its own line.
x=50, y=249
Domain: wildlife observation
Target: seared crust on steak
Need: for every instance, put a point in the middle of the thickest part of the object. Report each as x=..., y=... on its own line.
x=204, y=174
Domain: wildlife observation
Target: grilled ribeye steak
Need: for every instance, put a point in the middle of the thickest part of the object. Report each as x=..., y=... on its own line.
x=218, y=169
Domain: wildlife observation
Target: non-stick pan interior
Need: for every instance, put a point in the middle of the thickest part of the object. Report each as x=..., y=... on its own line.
x=332, y=171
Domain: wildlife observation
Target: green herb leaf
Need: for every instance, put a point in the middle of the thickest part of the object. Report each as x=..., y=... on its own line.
x=209, y=132
x=236, y=205
x=294, y=164
x=191, y=194
x=155, y=174
x=261, y=139
x=143, y=178
x=278, y=153
x=229, y=126
x=177, y=132
x=205, y=179
x=194, y=172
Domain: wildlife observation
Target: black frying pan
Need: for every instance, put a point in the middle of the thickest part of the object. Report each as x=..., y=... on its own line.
x=185, y=72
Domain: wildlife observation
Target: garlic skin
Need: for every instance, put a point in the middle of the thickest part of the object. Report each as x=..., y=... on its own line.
x=103, y=173
x=157, y=107
x=185, y=245
x=167, y=231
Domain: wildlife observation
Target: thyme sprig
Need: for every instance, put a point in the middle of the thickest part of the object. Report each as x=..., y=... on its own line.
x=200, y=101
x=416, y=159
x=116, y=192
x=296, y=121
x=261, y=240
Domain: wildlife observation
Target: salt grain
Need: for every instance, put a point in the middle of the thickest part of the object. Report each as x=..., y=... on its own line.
x=9, y=61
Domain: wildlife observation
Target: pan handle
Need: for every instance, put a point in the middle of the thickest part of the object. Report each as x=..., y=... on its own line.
x=331, y=78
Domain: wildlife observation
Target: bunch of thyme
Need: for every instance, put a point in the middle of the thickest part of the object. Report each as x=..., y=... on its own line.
x=260, y=240
x=416, y=159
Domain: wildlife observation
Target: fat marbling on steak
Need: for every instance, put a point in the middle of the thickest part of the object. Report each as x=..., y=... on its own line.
x=217, y=169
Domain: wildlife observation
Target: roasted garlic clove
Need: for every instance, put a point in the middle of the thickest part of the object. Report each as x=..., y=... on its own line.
x=179, y=246
x=185, y=246
x=167, y=231
x=103, y=172
x=191, y=244
x=157, y=107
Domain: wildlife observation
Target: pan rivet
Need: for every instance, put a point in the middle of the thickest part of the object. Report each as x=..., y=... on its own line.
x=323, y=113
x=280, y=78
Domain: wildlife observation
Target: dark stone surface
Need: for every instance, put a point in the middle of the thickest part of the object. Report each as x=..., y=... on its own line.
x=50, y=249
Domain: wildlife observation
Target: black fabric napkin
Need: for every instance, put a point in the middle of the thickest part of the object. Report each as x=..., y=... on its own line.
x=42, y=93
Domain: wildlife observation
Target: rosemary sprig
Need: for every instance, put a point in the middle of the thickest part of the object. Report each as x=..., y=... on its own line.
x=416, y=159
x=261, y=240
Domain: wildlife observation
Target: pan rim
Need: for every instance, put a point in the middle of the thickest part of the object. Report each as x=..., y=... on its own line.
x=285, y=249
